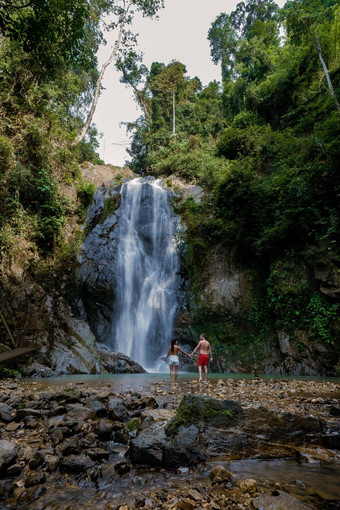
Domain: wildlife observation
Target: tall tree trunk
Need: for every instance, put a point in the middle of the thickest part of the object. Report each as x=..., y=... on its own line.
x=173, y=113
x=88, y=121
x=330, y=86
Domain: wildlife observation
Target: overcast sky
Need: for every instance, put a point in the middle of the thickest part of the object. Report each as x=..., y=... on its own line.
x=179, y=34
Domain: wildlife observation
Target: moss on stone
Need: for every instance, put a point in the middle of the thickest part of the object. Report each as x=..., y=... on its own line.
x=110, y=205
x=195, y=409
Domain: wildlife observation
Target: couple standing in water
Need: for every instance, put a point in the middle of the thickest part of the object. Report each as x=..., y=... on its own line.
x=203, y=358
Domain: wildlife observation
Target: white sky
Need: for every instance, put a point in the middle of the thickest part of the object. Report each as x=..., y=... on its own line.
x=179, y=34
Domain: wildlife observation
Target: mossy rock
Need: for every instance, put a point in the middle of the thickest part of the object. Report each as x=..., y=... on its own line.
x=198, y=408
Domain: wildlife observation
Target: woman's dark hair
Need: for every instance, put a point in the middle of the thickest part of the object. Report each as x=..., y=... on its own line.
x=173, y=345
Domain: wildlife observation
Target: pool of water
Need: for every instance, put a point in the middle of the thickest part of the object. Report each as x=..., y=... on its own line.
x=143, y=380
x=314, y=483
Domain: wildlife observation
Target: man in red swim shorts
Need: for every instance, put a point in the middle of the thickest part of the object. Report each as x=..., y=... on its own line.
x=203, y=358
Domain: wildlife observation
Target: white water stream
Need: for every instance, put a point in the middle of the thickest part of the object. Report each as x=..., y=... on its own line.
x=147, y=273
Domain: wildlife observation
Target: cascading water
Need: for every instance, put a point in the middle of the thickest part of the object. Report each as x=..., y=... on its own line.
x=147, y=275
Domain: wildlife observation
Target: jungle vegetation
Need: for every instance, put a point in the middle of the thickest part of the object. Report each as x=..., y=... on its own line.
x=49, y=86
x=265, y=145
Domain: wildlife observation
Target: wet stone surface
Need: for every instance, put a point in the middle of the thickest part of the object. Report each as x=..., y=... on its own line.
x=76, y=445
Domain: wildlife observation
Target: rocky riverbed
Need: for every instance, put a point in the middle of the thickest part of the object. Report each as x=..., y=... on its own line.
x=70, y=445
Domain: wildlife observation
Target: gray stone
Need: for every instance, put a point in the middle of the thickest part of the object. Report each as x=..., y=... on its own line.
x=117, y=410
x=35, y=479
x=8, y=453
x=79, y=413
x=7, y=413
x=36, y=460
x=76, y=464
x=103, y=429
x=98, y=453
x=71, y=447
x=279, y=501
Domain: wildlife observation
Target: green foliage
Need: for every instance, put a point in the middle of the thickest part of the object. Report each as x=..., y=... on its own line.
x=110, y=205
x=47, y=71
x=85, y=191
x=266, y=150
x=8, y=373
x=320, y=319
x=5, y=153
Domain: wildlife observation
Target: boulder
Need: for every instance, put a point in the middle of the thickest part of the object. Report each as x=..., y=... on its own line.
x=7, y=413
x=76, y=464
x=8, y=453
x=153, y=447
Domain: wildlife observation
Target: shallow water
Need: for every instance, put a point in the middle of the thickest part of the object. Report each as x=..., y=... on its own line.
x=312, y=483
x=142, y=381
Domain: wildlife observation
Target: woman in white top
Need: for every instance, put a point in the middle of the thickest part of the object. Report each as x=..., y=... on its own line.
x=174, y=349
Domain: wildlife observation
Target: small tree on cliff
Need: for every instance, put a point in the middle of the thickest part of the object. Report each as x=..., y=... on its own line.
x=122, y=13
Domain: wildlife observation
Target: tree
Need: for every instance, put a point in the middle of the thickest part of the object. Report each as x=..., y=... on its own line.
x=223, y=43
x=228, y=32
x=52, y=33
x=122, y=12
x=304, y=18
x=135, y=74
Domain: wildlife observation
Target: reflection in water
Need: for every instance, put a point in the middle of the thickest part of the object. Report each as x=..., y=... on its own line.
x=312, y=483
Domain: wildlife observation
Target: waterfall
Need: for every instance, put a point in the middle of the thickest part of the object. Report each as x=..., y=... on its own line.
x=147, y=273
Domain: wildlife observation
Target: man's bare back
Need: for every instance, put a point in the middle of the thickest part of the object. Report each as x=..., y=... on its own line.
x=203, y=359
x=204, y=346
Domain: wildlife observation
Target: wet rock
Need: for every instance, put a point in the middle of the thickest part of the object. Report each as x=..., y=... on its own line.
x=200, y=408
x=220, y=474
x=7, y=413
x=76, y=464
x=28, y=412
x=97, y=454
x=79, y=412
x=117, y=410
x=69, y=395
x=71, y=447
x=35, y=478
x=103, y=429
x=122, y=468
x=52, y=462
x=186, y=437
x=98, y=407
x=8, y=453
x=186, y=504
x=36, y=460
x=334, y=410
x=195, y=495
x=279, y=501
x=174, y=457
x=119, y=363
x=147, y=447
x=331, y=440
x=119, y=436
x=14, y=470
x=249, y=485
x=6, y=488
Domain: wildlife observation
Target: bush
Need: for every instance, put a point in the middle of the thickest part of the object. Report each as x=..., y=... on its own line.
x=6, y=152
